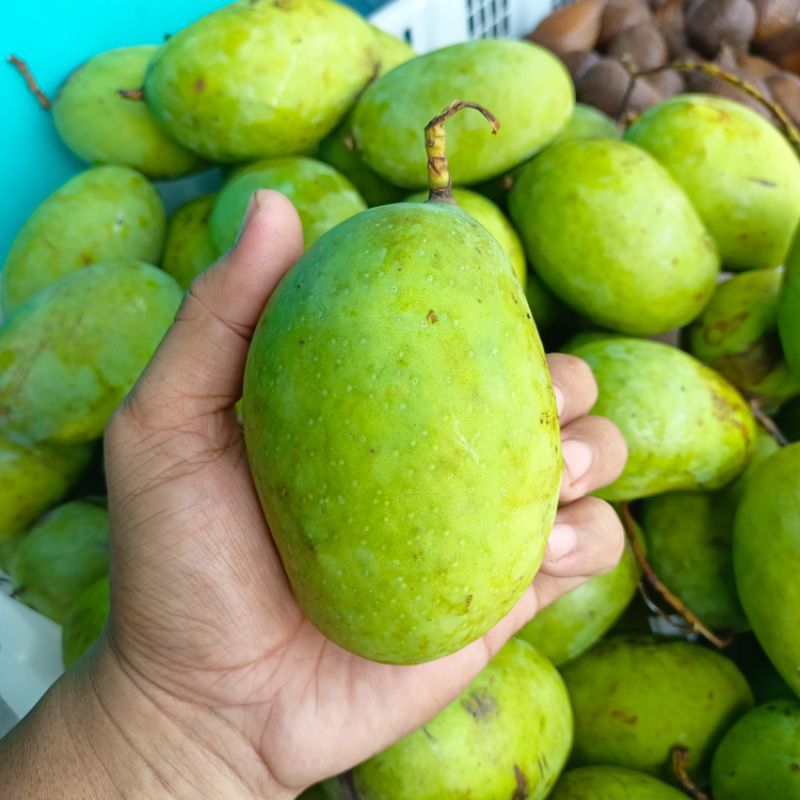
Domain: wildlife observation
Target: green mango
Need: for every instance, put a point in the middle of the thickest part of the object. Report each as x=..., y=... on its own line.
x=737, y=335
x=632, y=236
x=547, y=309
x=612, y=783
x=740, y=173
x=578, y=619
x=85, y=621
x=189, y=250
x=414, y=406
x=69, y=356
x=760, y=755
x=637, y=698
x=507, y=735
x=789, y=308
x=338, y=148
x=527, y=88
x=64, y=553
x=587, y=122
x=261, y=78
x=689, y=538
x=102, y=127
x=34, y=478
x=766, y=553
x=102, y=214
x=685, y=425
x=322, y=196
x=493, y=219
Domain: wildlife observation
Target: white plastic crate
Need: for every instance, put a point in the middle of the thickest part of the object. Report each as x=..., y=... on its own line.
x=429, y=24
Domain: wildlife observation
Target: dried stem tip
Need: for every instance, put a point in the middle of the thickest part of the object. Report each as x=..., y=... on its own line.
x=131, y=94
x=680, y=757
x=33, y=86
x=438, y=172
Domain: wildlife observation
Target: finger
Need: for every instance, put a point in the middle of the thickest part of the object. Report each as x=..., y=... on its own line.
x=587, y=539
x=594, y=453
x=574, y=386
x=198, y=368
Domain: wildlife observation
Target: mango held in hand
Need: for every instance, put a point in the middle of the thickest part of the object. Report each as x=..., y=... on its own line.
x=506, y=736
x=685, y=425
x=322, y=196
x=402, y=431
x=527, y=87
x=85, y=621
x=637, y=698
x=737, y=335
x=612, y=783
x=102, y=127
x=71, y=354
x=103, y=214
x=613, y=235
x=760, y=755
x=740, y=173
x=261, y=78
x=766, y=559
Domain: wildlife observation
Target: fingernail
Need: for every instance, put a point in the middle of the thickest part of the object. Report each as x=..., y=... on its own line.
x=559, y=400
x=252, y=207
x=563, y=540
x=578, y=457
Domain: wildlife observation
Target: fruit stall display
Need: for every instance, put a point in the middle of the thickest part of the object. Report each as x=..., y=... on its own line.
x=649, y=229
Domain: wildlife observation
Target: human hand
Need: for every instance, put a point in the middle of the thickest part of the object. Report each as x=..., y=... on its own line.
x=204, y=628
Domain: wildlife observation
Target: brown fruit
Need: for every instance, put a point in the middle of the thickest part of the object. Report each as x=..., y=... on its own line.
x=783, y=48
x=619, y=15
x=572, y=27
x=643, y=45
x=667, y=83
x=785, y=88
x=712, y=23
x=669, y=18
x=604, y=85
x=579, y=61
x=774, y=16
x=756, y=67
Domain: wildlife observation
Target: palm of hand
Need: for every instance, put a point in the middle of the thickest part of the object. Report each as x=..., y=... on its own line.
x=201, y=607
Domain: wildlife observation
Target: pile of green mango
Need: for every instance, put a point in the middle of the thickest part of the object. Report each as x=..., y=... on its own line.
x=398, y=413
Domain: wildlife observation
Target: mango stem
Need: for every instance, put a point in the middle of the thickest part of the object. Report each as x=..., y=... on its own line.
x=30, y=81
x=680, y=758
x=435, y=139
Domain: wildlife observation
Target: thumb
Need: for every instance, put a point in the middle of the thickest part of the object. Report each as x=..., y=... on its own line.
x=197, y=370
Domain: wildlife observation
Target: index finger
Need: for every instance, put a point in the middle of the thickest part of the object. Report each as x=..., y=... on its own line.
x=574, y=385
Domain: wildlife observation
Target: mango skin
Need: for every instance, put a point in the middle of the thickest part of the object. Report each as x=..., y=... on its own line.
x=789, y=308
x=636, y=698
x=507, y=735
x=64, y=388
x=64, y=554
x=578, y=619
x=401, y=428
x=338, y=148
x=523, y=85
x=102, y=214
x=689, y=544
x=760, y=755
x=587, y=122
x=188, y=250
x=766, y=553
x=493, y=219
x=261, y=78
x=32, y=479
x=737, y=335
x=740, y=173
x=322, y=196
x=632, y=234
x=85, y=621
x=102, y=127
x=685, y=425
x=612, y=783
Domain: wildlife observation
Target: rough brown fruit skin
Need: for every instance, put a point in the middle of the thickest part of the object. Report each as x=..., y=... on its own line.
x=643, y=45
x=713, y=23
